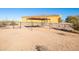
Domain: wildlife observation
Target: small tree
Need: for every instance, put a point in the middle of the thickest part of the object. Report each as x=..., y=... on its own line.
x=60, y=20
x=13, y=23
x=74, y=20
x=3, y=23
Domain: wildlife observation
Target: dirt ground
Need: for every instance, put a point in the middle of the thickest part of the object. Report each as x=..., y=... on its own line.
x=25, y=39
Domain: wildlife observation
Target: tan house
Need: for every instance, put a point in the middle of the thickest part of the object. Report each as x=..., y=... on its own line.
x=46, y=19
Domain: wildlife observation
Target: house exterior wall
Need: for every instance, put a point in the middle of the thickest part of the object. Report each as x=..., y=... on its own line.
x=53, y=19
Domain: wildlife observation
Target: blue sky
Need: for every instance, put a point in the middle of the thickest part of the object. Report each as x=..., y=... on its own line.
x=17, y=13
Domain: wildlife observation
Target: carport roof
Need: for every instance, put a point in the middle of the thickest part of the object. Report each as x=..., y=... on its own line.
x=38, y=18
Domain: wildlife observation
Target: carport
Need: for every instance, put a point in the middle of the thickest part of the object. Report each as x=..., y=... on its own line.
x=43, y=20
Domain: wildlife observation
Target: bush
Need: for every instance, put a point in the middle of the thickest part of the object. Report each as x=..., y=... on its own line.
x=3, y=24
x=74, y=20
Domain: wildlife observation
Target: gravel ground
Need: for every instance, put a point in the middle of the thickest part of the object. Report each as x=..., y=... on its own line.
x=36, y=39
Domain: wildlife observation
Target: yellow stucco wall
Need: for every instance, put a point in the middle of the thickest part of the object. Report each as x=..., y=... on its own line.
x=53, y=19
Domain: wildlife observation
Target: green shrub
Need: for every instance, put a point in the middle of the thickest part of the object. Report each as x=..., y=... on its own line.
x=74, y=20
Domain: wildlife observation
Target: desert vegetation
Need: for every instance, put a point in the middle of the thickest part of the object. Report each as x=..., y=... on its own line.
x=74, y=20
x=8, y=23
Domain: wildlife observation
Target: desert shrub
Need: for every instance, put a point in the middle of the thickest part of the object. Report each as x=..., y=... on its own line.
x=13, y=23
x=3, y=24
x=74, y=20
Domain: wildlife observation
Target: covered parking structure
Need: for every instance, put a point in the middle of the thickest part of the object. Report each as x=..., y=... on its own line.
x=43, y=21
x=40, y=22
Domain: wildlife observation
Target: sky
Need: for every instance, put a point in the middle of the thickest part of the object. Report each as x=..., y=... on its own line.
x=17, y=13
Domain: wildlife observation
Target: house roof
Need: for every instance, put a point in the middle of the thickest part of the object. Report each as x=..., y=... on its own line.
x=40, y=16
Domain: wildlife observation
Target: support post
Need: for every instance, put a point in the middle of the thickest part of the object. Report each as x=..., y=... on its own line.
x=31, y=25
x=20, y=25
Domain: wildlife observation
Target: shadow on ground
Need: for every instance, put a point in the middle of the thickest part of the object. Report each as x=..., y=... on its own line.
x=41, y=48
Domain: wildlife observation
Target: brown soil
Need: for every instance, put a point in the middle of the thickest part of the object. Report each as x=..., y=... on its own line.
x=27, y=39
